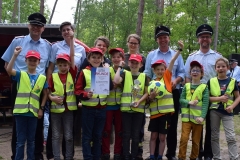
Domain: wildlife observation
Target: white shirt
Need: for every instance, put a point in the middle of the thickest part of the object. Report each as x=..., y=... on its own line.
x=236, y=73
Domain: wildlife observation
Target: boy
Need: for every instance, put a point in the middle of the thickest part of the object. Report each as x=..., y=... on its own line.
x=26, y=109
x=132, y=109
x=161, y=109
x=194, y=100
x=63, y=104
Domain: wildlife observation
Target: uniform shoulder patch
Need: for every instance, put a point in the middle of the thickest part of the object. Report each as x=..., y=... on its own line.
x=217, y=52
x=55, y=42
x=192, y=53
x=17, y=37
x=47, y=42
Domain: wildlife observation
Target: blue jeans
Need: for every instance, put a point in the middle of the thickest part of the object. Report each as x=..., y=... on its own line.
x=25, y=129
x=45, y=125
x=93, y=121
x=57, y=120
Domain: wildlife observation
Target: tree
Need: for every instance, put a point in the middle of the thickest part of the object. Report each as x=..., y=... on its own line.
x=14, y=13
x=217, y=23
x=42, y=7
x=53, y=10
x=0, y=11
x=140, y=17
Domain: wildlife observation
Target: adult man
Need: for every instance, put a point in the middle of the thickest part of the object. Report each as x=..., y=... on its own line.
x=207, y=58
x=60, y=47
x=235, y=73
x=33, y=41
x=164, y=52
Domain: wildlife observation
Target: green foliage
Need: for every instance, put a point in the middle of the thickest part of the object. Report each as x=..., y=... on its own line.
x=116, y=19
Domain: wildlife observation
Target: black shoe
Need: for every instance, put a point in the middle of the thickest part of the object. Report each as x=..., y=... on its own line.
x=199, y=158
x=139, y=157
x=207, y=158
x=117, y=157
x=105, y=157
x=126, y=158
x=172, y=158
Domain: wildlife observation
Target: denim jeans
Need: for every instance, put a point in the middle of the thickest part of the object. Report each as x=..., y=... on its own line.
x=93, y=120
x=57, y=120
x=45, y=125
x=25, y=129
x=132, y=124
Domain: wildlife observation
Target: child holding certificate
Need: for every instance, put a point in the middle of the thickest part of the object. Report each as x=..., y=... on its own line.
x=132, y=103
x=93, y=107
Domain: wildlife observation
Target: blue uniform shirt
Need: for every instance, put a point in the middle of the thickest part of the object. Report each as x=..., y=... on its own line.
x=63, y=47
x=235, y=73
x=207, y=60
x=42, y=46
x=178, y=68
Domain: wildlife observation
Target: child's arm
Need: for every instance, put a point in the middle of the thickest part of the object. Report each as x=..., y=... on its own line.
x=54, y=98
x=117, y=78
x=9, y=68
x=170, y=66
x=43, y=103
x=144, y=97
x=230, y=108
x=183, y=101
x=72, y=51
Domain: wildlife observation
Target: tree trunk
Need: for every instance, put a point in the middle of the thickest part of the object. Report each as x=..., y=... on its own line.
x=0, y=11
x=160, y=6
x=42, y=7
x=79, y=15
x=14, y=13
x=140, y=17
x=76, y=12
x=217, y=24
x=53, y=10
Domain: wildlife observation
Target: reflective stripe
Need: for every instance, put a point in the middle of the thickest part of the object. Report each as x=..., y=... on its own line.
x=189, y=116
x=57, y=106
x=70, y=93
x=196, y=107
x=22, y=106
x=160, y=108
x=26, y=95
x=128, y=104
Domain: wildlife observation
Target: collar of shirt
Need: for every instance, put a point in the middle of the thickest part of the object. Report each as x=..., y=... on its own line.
x=159, y=51
x=65, y=43
x=31, y=40
x=210, y=51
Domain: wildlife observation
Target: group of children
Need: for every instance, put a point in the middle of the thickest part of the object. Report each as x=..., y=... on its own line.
x=100, y=112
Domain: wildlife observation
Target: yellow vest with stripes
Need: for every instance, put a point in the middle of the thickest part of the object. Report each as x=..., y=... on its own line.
x=115, y=94
x=162, y=105
x=193, y=112
x=216, y=92
x=28, y=98
x=96, y=98
x=59, y=91
x=126, y=98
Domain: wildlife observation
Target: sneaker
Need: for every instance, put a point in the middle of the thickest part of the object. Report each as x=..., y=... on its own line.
x=117, y=157
x=44, y=143
x=105, y=157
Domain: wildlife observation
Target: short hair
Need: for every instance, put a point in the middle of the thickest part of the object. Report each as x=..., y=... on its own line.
x=60, y=60
x=115, y=52
x=137, y=37
x=93, y=53
x=104, y=39
x=66, y=24
x=225, y=60
x=201, y=68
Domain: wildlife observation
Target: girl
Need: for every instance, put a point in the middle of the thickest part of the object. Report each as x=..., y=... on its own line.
x=224, y=97
x=113, y=111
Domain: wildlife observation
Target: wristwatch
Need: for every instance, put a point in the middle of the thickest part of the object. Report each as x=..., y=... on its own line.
x=180, y=49
x=120, y=67
x=41, y=107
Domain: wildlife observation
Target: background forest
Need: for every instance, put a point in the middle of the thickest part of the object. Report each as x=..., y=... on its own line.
x=116, y=19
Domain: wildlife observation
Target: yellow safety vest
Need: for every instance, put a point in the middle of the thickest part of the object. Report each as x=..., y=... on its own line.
x=114, y=96
x=126, y=98
x=216, y=92
x=162, y=105
x=28, y=98
x=96, y=98
x=59, y=91
x=192, y=112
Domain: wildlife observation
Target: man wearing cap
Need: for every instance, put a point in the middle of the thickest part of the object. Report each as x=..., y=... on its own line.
x=235, y=73
x=165, y=53
x=207, y=58
x=33, y=41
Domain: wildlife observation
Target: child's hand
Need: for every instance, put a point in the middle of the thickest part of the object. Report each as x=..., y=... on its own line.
x=224, y=98
x=229, y=109
x=199, y=120
x=153, y=94
x=193, y=103
x=106, y=65
x=136, y=104
x=57, y=99
x=71, y=34
x=79, y=105
x=122, y=63
x=17, y=50
x=181, y=45
x=40, y=113
x=90, y=94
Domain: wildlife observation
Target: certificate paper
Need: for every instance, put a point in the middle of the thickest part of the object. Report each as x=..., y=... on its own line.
x=100, y=80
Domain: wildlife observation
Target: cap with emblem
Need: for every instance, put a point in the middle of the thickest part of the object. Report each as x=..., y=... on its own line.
x=162, y=30
x=32, y=53
x=158, y=62
x=204, y=28
x=97, y=50
x=196, y=63
x=37, y=19
x=63, y=56
x=116, y=50
x=135, y=57
x=231, y=61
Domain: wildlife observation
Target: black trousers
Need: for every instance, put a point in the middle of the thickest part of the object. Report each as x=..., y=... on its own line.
x=172, y=132
x=39, y=131
x=207, y=150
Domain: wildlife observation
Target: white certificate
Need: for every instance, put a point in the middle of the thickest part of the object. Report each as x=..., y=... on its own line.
x=100, y=80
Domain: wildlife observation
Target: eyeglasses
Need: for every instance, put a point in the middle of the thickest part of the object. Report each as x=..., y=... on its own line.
x=205, y=37
x=132, y=43
x=195, y=71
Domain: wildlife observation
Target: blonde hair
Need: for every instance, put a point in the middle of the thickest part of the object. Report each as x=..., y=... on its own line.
x=225, y=60
x=137, y=37
x=104, y=39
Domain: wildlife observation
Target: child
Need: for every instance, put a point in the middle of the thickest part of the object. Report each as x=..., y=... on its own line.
x=161, y=109
x=26, y=109
x=93, y=112
x=113, y=114
x=194, y=101
x=223, y=91
x=63, y=104
x=132, y=109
